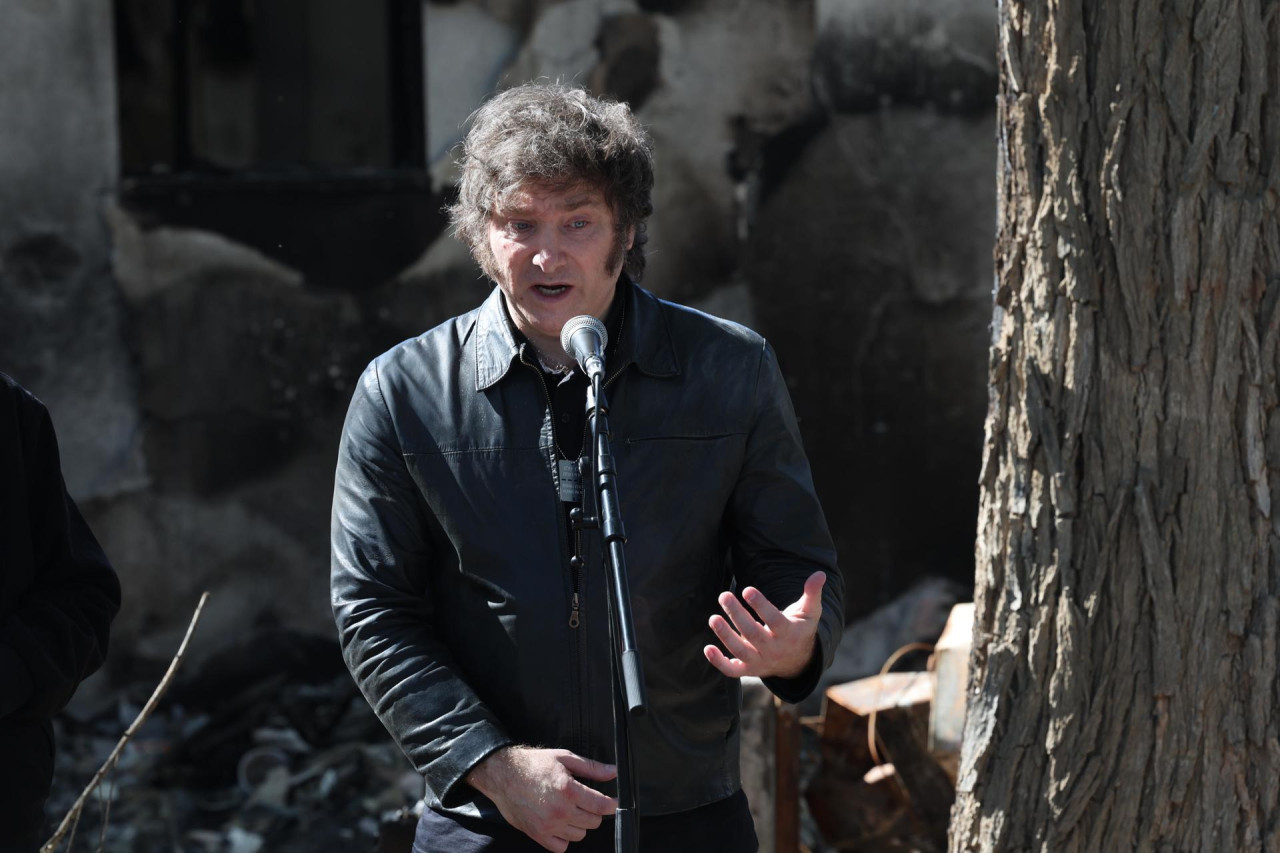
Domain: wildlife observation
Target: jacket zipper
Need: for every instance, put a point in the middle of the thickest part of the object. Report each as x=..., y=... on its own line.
x=575, y=571
x=576, y=563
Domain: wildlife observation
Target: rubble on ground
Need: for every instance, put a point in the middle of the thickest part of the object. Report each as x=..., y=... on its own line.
x=269, y=748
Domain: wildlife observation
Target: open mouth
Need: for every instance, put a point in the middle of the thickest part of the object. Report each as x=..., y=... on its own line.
x=551, y=289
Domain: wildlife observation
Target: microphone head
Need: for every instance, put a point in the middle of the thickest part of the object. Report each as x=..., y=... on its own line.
x=582, y=321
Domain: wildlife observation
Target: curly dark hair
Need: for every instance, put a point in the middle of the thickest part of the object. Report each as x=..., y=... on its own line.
x=552, y=134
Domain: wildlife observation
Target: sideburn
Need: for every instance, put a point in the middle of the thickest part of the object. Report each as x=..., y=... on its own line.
x=613, y=263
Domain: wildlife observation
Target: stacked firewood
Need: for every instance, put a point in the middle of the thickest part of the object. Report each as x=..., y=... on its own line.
x=889, y=747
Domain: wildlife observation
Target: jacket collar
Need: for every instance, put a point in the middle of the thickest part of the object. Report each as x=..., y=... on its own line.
x=646, y=338
x=495, y=345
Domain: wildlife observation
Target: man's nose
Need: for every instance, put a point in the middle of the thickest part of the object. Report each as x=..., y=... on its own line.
x=548, y=255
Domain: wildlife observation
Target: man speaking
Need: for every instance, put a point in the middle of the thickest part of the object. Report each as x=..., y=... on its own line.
x=473, y=614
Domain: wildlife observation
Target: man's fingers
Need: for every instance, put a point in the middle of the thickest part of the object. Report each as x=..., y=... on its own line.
x=587, y=768
x=727, y=666
x=733, y=641
x=773, y=647
x=585, y=820
x=592, y=801
x=746, y=624
x=572, y=833
x=586, y=798
x=811, y=600
x=764, y=608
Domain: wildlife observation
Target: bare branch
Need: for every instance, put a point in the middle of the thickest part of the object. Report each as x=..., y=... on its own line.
x=73, y=815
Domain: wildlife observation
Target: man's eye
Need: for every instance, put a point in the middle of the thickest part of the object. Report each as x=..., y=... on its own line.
x=519, y=226
x=578, y=224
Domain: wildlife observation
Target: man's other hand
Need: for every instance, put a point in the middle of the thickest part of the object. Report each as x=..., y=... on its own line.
x=778, y=643
x=538, y=793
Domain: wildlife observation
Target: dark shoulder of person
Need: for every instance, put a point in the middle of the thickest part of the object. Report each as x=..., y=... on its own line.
x=58, y=591
x=26, y=432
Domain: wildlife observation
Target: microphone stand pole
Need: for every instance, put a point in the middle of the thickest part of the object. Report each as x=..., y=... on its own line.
x=628, y=680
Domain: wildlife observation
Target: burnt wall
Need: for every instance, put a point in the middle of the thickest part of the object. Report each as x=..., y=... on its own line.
x=825, y=175
x=61, y=317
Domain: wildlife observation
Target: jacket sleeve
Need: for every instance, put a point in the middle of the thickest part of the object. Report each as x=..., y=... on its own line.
x=778, y=531
x=54, y=633
x=381, y=593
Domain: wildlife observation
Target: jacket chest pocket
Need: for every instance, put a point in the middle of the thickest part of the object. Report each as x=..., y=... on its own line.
x=496, y=508
x=674, y=490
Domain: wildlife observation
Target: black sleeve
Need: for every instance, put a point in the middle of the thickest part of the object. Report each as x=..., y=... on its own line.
x=382, y=603
x=54, y=629
x=779, y=532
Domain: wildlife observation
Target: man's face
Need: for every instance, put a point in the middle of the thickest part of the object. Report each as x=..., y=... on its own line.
x=555, y=257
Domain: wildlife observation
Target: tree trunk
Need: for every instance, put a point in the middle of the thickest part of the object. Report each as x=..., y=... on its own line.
x=1124, y=689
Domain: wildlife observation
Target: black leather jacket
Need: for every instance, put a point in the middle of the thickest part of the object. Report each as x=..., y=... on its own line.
x=451, y=580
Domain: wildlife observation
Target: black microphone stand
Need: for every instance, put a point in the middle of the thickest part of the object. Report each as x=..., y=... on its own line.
x=628, y=680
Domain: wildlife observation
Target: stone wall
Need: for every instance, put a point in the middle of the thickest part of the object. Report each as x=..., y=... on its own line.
x=61, y=317
x=825, y=175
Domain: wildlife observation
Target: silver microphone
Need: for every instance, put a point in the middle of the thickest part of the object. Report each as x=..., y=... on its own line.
x=583, y=339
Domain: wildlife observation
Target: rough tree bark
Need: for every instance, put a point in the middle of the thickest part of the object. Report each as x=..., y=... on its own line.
x=1124, y=692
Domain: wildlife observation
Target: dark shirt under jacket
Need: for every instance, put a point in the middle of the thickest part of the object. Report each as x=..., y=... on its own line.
x=58, y=595
x=567, y=395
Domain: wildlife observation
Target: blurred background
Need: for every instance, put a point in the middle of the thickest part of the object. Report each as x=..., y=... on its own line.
x=214, y=213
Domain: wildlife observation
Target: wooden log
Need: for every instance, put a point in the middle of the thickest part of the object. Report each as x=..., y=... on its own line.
x=885, y=719
x=857, y=813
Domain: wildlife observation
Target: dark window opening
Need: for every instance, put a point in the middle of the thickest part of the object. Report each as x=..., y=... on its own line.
x=294, y=126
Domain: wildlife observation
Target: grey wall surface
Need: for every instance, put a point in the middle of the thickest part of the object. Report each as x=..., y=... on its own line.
x=61, y=319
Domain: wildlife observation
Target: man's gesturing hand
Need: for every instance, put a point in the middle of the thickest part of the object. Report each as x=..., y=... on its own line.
x=535, y=790
x=780, y=644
